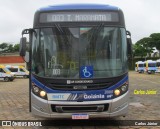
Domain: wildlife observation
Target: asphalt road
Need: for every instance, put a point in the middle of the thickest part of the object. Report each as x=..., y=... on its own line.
x=144, y=104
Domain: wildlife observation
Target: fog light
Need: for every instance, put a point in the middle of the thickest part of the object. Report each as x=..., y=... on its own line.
x=42, y=93
x=117, y=92
x=36, y=89
x=124, y=88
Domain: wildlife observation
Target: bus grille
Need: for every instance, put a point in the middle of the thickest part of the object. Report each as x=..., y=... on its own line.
x=79, y=108
x=80, y=87
x=61, y=84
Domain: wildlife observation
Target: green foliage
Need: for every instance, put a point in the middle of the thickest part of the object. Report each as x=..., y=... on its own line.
x=139, y=50
x=3, y=47
x=145, y=46
x=8, y=48
x=16, y=47
x=155, y=40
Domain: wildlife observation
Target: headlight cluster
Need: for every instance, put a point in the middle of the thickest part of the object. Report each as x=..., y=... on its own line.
x=121, y=90
x=39, y=92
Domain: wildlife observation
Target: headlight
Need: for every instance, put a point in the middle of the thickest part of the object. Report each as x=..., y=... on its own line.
x=124, y=88
x=35, y=89
x=117, y=92
x=121, y=90
x=39, y=92
x=42, y=93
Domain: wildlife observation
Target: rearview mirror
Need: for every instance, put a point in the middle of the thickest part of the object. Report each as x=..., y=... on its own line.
x=22, y=48
x=129, y=44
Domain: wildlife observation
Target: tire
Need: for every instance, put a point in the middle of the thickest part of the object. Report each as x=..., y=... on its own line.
x=152, y=72
x=6, y=79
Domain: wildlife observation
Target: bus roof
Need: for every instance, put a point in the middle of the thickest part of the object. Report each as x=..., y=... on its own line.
x=79, y=7
x=150, y=61
x=40, y=17
x=139, y=62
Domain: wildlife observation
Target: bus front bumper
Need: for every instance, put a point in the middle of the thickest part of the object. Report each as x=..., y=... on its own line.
x=43, y=108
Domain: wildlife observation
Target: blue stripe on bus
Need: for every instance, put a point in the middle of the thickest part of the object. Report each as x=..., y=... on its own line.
x=79, y=7
x=37, y=83
x=49, y=90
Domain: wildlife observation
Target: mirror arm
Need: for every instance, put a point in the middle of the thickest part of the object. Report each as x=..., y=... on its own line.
x=128, y=33
x=28, y=31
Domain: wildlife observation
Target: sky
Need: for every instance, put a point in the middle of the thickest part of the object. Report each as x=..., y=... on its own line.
x=142, y=17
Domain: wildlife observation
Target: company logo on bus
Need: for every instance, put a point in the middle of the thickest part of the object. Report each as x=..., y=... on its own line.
x=79, y=81
x=79, y=87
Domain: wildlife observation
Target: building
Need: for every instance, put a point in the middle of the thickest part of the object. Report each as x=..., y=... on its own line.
x=11, y=59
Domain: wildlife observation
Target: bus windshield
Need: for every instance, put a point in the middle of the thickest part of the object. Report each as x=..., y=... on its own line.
x=151, y=64
x=141, y=65
x=63, y=52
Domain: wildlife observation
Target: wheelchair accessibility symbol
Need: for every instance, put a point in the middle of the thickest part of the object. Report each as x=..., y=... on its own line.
x=86, y=71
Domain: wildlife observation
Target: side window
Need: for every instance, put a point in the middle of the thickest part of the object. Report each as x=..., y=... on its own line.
x=13, y=69
x=10, y=69
x=21, y=70
x=1, y=70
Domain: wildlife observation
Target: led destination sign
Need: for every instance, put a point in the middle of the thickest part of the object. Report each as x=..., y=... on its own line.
x=79, y=17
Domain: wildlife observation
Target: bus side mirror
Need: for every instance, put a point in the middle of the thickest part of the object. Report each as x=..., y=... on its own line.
x=22, y=48
x=129, y=45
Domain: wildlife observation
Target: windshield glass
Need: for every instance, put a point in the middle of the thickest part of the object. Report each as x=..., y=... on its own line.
x=151, y=64
x=79, y=52
x=141, y=65
x=6, y=70
x=23, y=70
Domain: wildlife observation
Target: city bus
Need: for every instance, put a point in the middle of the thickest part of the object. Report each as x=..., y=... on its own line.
x=150, y=66
x=78, y=60
x=139, y=66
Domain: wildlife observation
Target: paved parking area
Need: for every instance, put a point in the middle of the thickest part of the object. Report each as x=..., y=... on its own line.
x=14, y=102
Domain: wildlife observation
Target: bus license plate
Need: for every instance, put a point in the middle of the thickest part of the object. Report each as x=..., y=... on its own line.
x=80, y=116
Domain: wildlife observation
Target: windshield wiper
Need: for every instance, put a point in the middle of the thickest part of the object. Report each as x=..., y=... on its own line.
x=59, y=28
x=96, y=31
x=63, y=34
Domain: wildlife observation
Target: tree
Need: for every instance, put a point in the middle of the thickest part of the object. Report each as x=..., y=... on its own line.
x=16, y=47
x=139, y=50
x=6, y=47
x=155, y=41
x=143, y=47
x=3, y=47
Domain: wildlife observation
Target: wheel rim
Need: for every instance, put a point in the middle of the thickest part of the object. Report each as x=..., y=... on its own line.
x=6, y=79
